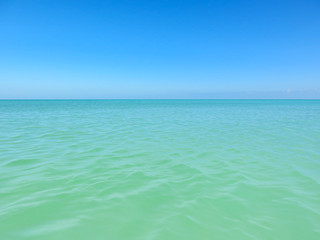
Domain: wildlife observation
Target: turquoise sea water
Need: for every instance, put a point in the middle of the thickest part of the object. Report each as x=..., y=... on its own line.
x=160, y=169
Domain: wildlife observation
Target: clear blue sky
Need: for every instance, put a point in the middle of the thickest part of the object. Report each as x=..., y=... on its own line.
x=160, y=49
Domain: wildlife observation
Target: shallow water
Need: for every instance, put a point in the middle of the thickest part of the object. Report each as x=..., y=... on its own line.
x=160, y=169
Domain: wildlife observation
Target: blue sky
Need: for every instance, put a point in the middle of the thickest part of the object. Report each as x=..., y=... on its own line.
x=159, y=49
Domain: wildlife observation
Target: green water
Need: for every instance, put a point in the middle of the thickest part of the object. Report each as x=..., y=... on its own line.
x=160, y=169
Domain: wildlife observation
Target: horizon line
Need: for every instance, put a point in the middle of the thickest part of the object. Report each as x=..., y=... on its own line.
x=23, y=99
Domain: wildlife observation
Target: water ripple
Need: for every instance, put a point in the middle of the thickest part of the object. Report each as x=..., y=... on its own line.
x=159, y=170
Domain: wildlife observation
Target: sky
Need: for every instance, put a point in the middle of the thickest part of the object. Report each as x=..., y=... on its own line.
x=159, y=49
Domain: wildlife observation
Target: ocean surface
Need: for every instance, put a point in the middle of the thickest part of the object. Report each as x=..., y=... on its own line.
x=160, y=169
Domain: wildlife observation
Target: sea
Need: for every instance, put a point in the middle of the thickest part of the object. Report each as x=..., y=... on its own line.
x=160, y=169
